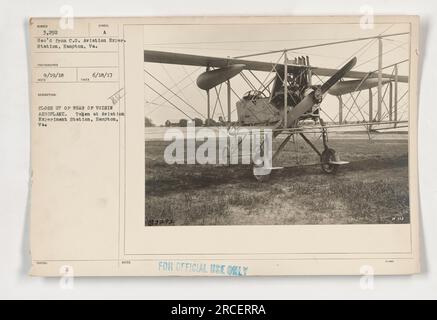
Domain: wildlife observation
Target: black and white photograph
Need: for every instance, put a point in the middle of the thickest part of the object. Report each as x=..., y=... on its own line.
x=276, y=124
x=243, y=151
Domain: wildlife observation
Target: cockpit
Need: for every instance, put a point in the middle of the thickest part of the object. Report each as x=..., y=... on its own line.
x=253, y=95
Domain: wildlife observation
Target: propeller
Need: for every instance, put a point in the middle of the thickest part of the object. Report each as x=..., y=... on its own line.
x=316, y=96
x=339, y=74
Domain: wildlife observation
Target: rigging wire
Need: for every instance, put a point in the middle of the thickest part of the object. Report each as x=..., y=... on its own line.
x=195, y=110
x=242, y=41
x=218, y=101
x=376, y=57
x=193, y=82
x=322, y=44
x=158, y=96
x=174, y=82
x=179, y=82
x=169, y=101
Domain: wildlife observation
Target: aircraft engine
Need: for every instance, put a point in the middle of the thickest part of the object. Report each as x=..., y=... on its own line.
x=212, y=78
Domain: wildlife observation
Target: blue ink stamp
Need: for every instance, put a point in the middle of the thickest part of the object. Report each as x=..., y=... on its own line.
x=169, y=266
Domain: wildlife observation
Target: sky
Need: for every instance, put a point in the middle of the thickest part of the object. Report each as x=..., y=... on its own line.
x=241, y=39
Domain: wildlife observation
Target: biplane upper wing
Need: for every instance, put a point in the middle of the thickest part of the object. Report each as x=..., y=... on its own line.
x=215, y=62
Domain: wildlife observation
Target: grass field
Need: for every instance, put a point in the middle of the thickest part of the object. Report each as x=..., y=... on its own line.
x=372, y=189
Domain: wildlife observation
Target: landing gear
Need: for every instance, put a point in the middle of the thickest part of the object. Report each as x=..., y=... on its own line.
x=328, y=156
x=327, y=160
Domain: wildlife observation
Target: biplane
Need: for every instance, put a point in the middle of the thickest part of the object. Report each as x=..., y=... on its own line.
x=290, y=101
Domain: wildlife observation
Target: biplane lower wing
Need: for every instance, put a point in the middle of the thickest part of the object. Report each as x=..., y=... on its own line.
x=349, y=86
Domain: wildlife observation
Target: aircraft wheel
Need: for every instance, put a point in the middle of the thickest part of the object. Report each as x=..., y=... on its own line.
x=328, y=155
